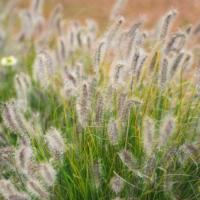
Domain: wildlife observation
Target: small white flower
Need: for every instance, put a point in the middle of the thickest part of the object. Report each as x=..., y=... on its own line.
x=8, y=61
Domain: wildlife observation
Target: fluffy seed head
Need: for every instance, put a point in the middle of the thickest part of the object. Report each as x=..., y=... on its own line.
x=112, y=31
x=116, y=184
x=166, y=130
x=166, y=23
x=82, y=106
x=97, y=173
x=61, y=49
x=18, y=196
x=23, y=156
x=48, y=173
x=187, y=152
x=173, y=40
x=140, y=65
x=109, y=96
x=99, y=53
x=135, y=26
x=22, y=86
x=43, y=68
x=37, y=189
x=116, y=73
x=150, y=167
x=113, y=132
x=163, y=73
x=7, y=117
x=122, y=99
x=124, y=113
x=148, y=135
x=55, y=142
x=168, y=186
x=175, y=64
x=169, y=154
x=12, y=116
x=6, y=188
x=70, y=88
x=99, y=108
x=128, y=160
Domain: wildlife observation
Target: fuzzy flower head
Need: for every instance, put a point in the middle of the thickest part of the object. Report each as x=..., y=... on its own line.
x=116, y=184
x=8, y=61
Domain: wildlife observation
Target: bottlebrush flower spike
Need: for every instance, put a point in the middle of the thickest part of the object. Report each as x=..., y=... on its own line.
x=113, y=132
x=55, y=143
x=122, y=99
x=112, y=31
x=99, y=108
x=163, y=73
x=166, y=130
x=116, y=73
x=166, y=23
x=135, y=27
x=7, y=117
x=61, y=50
x=140, y=64
x=48, y=173
x=18, y=196
x=13, y=117
x=43, y=68
x=23, y=156
x=24, y=141
x=97, y=173
x=128, y=160
x=188, y=151
x=55, y=14
x=91, y=91
x=116, y=184
x=133, y=66
x=4, y=139
x=170, y=45
x=82, y=106
x=37, y=189
x=6, y=188
x=22, y=86
x=110, y=94
x=168, y=186
x=124, y=113
x=148, y=135
x=6, y=158
x=175, y=64
x=70, y=86
x=169, y=154
x=187, y=62
x=99, y=55
x=150, y=167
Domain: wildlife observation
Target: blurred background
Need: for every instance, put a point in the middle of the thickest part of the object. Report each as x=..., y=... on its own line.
x=100, y=10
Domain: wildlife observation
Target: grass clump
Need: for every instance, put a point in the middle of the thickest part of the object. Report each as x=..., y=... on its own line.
x=115, y=117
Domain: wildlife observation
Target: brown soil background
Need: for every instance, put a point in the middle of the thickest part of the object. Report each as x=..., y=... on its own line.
x=99, y=10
